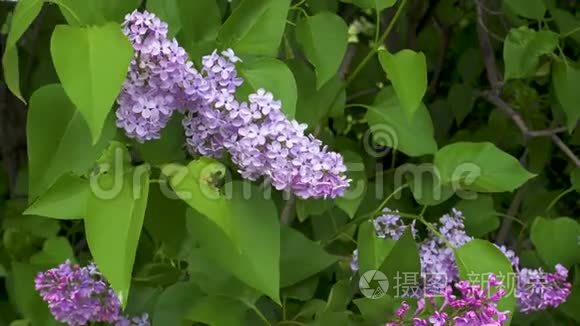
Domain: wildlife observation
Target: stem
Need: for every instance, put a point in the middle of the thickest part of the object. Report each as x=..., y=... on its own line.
x=569, y=33
x=384, y=203
x=435, y=231
x=286, y=214
x=557, y=199
x=259, y=313
x=512, y=218
x=377, y=44
x=378, y=27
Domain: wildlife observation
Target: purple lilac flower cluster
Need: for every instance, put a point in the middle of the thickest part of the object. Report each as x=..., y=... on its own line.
x=261, y=141
x=437, y=259
x=78, y=295
x=159, y=73
x=535, y=289
x=473, y=306
x=390, y=225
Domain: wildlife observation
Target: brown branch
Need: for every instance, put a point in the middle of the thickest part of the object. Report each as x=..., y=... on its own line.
x=556, y=140
x=505, y=107
x=487, y=51
x=494, y=78
x=428, y=14
x=506, y=225
x=444, y=32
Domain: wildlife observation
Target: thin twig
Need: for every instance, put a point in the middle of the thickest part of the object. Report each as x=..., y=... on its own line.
x=546, y=132
x=566, y=150
x=487, y=51
x=513, y=114
x=506, y=224
x=428, y=14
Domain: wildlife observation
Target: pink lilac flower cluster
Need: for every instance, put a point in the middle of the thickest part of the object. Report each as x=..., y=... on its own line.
x=472, y=306
x=438, y=266
x=535, y=289
x=261, y=140
x=78, y=295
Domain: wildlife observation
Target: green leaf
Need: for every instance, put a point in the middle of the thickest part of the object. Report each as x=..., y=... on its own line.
x=316, y=104
x=375, y=311
x=56, y=136
x=192, y=21
x=79, y=13
x=425, y=184
x=23, y=15
x=575, y=179
x=391, y=127
x=480, y=167
x=573, y=301
x=461, y=99
x=158, y=274
x=255, y=27
x=372, y=250
x=534, y=9
x=565, y=80
x=257, y=242
x=54, y=252
x=168, y=11
x=355, y=194
x=300, y=258
x=312, y=207
x=302, y=291
x=115, y=213
x=272, y=75
x=217, y=310
x=324, y=39
x=340, y=296
x=480, y=216
x=556, y=240
x=65, y=200
x=523, y=48
x=317, y=6
x=403, y=258
x=479, y=258
x=165, y=220
x=25, y=296
x=174, y=303
x=91, y=63
x=168, y=148
x=193, y=184
x=407, y=71
x=114, y=10
x=373, y=4
x=35, y=225
x=567, y=23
